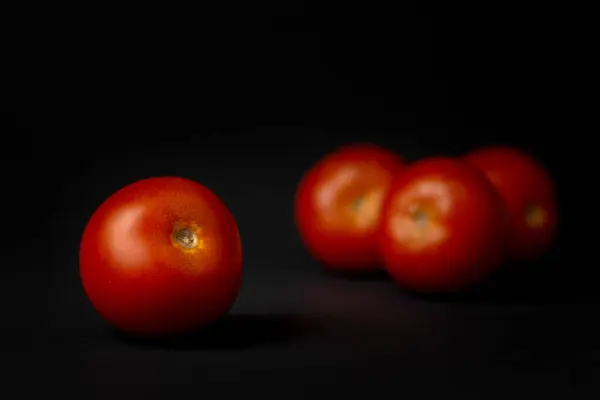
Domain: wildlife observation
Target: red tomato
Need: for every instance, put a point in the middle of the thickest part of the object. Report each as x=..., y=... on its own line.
x=442, y=227
x=529, y=195
x=161, y=256
x=338, y=205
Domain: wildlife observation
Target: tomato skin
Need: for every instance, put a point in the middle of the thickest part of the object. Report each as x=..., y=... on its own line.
x=442, y=227
x=138, y=276
x=338, y=205
x=522, y=183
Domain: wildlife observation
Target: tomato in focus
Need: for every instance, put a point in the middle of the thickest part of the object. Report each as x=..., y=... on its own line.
x=442, y=227
x=338, y=205
x=529, y=196
x=161, y=256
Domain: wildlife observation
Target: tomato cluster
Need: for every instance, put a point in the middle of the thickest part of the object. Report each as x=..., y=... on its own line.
x=436, y=225
x=163, y=256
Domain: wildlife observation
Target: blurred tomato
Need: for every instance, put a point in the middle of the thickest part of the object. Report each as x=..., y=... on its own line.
x=338, y=205
x=161, y=256
x=442, y=227
x=529, y=196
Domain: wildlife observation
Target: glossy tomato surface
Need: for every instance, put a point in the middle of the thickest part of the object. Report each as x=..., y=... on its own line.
x=529, y=196
x=338, y=205
x=443, y=227
x=161, y=256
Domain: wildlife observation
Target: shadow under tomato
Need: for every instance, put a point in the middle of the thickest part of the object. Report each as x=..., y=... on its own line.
x=373, y=273
x=232, y=332
x=533, y=282
x=377, y=275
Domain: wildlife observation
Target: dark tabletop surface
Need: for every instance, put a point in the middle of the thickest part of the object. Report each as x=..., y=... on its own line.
x=301, y=327
x=293, y=324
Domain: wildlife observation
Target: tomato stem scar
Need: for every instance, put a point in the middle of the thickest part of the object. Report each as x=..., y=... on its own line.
x=535, y=216
x=358, y=202
x=186, y=238
x=420, y=217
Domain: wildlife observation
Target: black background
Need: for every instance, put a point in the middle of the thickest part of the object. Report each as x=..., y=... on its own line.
x=244, y=101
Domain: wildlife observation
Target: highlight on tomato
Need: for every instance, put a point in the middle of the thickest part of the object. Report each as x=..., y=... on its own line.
x=161, y=256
